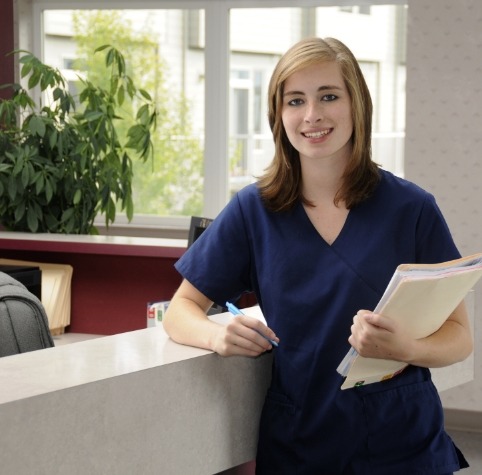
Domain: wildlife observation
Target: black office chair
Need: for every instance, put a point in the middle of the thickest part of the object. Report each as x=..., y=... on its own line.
x=24, y=325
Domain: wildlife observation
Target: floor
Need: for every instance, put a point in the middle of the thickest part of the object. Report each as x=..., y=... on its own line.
x=470, y=443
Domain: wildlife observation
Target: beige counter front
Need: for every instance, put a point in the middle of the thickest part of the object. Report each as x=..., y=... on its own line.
x=133, y=403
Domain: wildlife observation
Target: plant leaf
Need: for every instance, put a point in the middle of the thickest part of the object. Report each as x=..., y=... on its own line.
x=12, y=188
x=49, y=192
x=67, y=214
x=39, y=183
x=145, y=94
x=77, y=196
x=32, y=220
x=143, y=114
x=129, y=208
x=25, y=176
x=121, y=95
x=34, y=79
x=19, y=211
x=18, y=165
x=53, y=139
x=101, y=48
x=93, y=115
x=109, y=58
x=26, y=68
x=37, y=125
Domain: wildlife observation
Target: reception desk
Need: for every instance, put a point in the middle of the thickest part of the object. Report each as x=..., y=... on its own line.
x=130, y=403
x=137, y=402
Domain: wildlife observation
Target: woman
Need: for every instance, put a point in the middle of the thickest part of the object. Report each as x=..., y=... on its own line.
x=318, y=239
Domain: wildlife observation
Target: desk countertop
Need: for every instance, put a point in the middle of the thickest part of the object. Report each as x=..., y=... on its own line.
x=66, y=366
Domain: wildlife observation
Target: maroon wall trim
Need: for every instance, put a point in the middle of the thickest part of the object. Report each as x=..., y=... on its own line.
x=6, y=45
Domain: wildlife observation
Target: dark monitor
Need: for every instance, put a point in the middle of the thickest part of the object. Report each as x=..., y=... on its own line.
x=30, y=276
x=197, y=227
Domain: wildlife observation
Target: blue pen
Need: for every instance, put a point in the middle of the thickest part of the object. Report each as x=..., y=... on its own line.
x=235, y=311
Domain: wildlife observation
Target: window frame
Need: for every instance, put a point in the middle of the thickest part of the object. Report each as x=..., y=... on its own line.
x=217, y=77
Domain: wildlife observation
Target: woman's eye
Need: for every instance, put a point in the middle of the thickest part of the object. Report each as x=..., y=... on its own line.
x=295, y=102
x=329, y=97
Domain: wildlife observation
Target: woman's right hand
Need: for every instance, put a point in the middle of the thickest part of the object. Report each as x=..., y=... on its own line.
x=185, y=321
x=243, y=335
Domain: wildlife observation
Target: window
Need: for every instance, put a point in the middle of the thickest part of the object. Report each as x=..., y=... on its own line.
x=210, y=64
x=363, y=10
x=159, y=62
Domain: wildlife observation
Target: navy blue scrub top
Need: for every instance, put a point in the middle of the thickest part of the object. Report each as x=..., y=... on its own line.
x=308, y=292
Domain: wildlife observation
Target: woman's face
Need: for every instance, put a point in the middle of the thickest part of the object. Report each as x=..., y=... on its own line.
x=317, y=113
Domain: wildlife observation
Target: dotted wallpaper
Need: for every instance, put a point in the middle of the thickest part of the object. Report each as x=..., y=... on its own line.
x=443, y=150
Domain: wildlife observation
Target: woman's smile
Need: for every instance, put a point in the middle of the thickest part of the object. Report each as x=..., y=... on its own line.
x=316, y=135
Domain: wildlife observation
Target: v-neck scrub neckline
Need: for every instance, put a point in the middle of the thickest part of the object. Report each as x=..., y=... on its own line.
x=341, y=231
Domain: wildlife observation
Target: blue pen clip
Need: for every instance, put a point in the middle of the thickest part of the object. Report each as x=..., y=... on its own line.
x=235, y=311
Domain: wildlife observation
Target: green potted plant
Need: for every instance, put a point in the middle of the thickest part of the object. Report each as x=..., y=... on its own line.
x=63, y=163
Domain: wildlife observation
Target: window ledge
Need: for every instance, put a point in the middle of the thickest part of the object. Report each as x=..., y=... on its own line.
x=86, y=244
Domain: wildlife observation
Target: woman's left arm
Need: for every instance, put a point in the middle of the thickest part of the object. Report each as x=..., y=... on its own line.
x=376, y=336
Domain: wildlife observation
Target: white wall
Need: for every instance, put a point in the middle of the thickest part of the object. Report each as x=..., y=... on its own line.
x=444, y=134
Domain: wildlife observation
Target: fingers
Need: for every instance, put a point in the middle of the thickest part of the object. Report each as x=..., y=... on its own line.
x=376, y=336
x=361, y=327
x=259, y=327
x=364, y=332
x=244, y=336
x=365, y=319
x=251, y=333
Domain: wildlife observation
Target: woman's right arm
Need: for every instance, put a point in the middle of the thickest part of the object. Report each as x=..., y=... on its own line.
x=186, y=322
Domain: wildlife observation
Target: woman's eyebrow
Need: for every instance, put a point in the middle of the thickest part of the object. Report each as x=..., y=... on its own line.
x=330, y=88
x=327, y=87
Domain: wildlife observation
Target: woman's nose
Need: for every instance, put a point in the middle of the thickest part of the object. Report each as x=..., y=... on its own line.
x=313, y=113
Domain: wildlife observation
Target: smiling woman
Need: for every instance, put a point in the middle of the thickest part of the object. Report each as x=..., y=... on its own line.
x=313, y=263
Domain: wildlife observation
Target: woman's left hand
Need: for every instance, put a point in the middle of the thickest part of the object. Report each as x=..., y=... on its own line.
x=375, y=336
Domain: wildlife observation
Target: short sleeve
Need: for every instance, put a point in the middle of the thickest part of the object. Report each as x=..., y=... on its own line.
x=434, y=240
x=218, y=263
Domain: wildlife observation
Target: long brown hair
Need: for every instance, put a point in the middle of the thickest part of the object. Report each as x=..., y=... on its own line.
x=280, y=186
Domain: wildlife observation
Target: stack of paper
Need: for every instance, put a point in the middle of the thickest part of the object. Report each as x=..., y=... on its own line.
x=422, y=297
x=56, y=292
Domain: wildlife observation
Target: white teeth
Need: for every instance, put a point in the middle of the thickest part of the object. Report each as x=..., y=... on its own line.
x=315, y=135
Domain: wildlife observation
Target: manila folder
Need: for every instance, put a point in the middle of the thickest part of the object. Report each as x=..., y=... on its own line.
x=421, y=302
